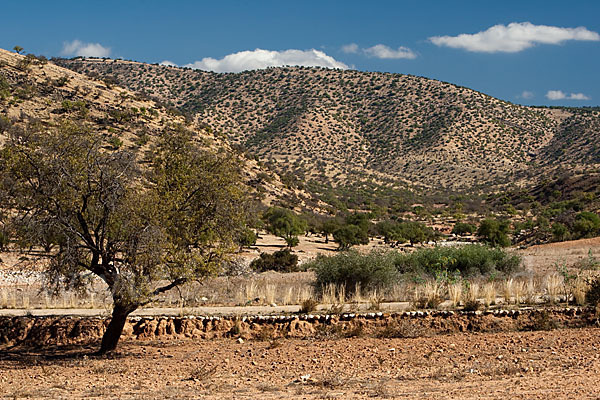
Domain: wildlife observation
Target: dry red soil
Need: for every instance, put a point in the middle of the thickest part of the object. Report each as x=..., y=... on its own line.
x=558, y=364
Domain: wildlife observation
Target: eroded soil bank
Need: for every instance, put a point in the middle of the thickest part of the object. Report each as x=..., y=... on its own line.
x=44, y=331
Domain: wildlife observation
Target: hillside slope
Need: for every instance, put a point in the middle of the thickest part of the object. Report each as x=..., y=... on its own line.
x=35, y=94
x=335, y=127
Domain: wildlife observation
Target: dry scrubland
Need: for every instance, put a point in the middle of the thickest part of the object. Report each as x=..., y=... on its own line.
x=541, y=281
x=368, y=129
x=327, y=128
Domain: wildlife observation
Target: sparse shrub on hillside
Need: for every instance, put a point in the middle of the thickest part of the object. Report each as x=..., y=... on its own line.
x=246, y=238
x=587, y=224
x=4, y=239
x=463, y=228
x=279, y=261
x=560, y=232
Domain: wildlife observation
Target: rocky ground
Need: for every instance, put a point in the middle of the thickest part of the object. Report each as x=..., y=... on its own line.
x=559, y=364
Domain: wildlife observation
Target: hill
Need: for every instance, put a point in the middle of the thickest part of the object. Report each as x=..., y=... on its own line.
x=370, y=133
x=35, y=94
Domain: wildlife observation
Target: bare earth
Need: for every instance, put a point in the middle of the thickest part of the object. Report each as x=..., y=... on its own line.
x=559, y=364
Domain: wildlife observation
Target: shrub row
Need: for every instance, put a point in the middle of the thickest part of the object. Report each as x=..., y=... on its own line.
x=377, y=270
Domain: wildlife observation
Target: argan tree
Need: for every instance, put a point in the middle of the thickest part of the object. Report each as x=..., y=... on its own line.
x=142, y=223
x=285, y=224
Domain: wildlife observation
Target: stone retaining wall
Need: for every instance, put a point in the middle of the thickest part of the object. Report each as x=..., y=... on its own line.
x=43, y=331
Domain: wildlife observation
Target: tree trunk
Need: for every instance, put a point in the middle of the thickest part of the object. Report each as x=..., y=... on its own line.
x=115, y=328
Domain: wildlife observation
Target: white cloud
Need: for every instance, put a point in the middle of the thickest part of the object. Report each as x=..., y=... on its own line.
x=385, y=52
x=560, y=95
x=514, y=37
x=351, y=48
x=579, y=96
x=78, y=48
x=259, y=59
x=555, y=95
x=168, y=63
x=526, y=95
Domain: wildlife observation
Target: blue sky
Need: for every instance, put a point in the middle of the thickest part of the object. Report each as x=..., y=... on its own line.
x=527, y=52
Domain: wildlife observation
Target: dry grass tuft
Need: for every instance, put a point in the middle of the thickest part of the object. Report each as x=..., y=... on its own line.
x=428, y=295
x=554, y=286
x=489, y=294
x=455, y=293
x=519, y=291
x=472, y=297
x=507, y=290
x=579, y=290
x=308, y=306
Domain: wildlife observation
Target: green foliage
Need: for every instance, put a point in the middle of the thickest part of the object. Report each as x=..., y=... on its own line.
x=354, y=231
x=328, y=227
x=247, y=237
x=377, y=270
x=280, y=261
x=560, y=232
x=374, y=270
x=495, y=232
x=592, y=295
x=142, y=231
x=587, y=224
x=470, y=260
x=407, y=231
x=463, y=228
x=285, y=224
x=347, y=236
x=4, y=90
x=4, y=239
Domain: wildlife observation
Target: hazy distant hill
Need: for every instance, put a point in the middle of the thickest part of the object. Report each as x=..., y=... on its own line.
x=345, y=128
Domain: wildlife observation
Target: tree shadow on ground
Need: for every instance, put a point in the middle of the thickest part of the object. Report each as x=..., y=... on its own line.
x=25, y=356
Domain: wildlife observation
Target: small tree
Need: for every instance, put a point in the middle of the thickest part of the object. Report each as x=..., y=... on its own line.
x=463, y=228
x=142, y=231
x=285, y=224
x=329, y=227
x=494, y=232
x=347, y=236
x=18, y=49
x=246, y=238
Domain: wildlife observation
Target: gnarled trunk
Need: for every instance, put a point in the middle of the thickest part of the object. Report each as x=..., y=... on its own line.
x=115, y=328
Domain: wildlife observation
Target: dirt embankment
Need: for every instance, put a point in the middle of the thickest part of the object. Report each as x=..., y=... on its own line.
x=41, y=331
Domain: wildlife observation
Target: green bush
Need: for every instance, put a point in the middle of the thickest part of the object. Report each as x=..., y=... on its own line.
x=463, y=228
x=592, y=295
x=348, y=236
x=587, y=224
x=378, y=270
x=470, y=260
x=374, y=270
x=280, y=261
x=495, y=232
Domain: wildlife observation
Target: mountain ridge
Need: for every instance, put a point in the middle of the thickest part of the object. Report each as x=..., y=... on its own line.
x=342, y=126
x=36, y=94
